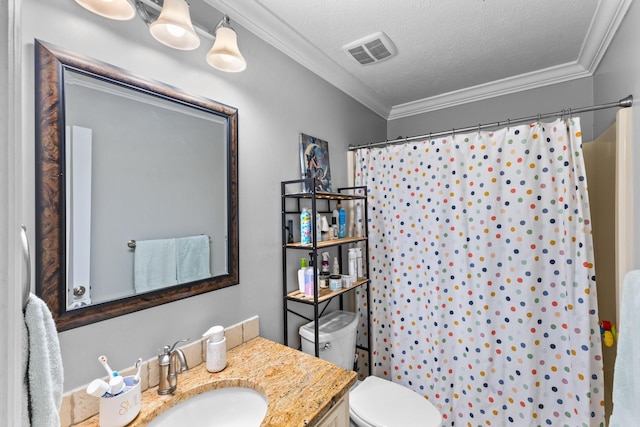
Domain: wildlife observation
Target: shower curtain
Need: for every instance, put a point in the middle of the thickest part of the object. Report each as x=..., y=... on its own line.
x=483, y=288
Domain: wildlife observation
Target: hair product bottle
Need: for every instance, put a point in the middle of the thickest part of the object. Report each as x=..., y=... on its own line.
x=305, y=227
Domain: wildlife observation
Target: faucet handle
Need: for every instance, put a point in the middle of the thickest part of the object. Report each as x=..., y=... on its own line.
x=168, y=349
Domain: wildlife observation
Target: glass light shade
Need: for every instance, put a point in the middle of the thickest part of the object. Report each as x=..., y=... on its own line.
x=173, y=27
x=225, y=55
x=120, y=10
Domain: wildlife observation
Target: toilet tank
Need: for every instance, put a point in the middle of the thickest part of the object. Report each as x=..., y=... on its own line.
x=337, y=338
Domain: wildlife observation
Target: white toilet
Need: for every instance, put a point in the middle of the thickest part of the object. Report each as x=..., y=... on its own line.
x=374, y=402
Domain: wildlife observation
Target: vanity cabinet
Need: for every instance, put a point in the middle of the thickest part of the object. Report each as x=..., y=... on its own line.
x=321, y=203
x=338, y=416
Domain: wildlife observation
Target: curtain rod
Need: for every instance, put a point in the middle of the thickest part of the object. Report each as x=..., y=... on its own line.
x=623, y=103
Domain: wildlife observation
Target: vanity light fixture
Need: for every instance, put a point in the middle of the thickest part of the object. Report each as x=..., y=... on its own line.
x=120, y=10
x=225, y=55
x=173, y=28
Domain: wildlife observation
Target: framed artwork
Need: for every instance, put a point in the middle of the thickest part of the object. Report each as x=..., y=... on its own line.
x=314, y=162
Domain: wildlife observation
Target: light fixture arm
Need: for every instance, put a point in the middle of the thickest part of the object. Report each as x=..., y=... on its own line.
x=143, y=13
x=224, y=22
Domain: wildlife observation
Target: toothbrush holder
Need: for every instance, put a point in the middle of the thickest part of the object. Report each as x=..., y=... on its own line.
x=120, y=410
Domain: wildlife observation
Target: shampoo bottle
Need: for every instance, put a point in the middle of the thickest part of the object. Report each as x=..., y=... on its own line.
x=216, y=349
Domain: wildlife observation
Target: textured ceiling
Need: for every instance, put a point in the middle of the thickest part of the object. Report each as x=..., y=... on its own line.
x=449, y=51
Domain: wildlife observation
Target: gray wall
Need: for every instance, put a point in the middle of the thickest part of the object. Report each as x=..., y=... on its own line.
x=617, y=76
x=276, y=99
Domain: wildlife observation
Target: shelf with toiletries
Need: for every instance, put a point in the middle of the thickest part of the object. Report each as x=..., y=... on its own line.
x=329, y=226
x=325, y=243
x=324, y=294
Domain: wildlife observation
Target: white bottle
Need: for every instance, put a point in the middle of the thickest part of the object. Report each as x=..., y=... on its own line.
x=318, y=225
x=353, y=265
x=303, y=267
x=360, y=267
x=216, y=349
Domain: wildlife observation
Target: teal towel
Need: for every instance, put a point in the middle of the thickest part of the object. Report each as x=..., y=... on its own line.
x=626, y=375
x=192, y=258
x=44, y=375
x=154, y=264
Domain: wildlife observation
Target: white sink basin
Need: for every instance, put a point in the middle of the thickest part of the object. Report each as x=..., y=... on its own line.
x=230, y=406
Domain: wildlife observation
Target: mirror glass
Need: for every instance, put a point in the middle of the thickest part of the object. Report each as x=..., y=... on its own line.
x=137, y=190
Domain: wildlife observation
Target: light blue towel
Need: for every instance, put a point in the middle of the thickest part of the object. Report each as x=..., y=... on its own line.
x=154, y=264
x=626, y=376
x=44, y=376
x=192, y=258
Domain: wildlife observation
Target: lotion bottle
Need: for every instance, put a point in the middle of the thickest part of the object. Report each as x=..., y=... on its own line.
x=301, y=271
x=308, y=282
x=216, y=349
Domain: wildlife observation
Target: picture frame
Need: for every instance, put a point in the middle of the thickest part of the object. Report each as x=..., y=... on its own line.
x=314, y=162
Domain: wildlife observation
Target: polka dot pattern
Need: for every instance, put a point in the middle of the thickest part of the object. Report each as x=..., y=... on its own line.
x=483, y=284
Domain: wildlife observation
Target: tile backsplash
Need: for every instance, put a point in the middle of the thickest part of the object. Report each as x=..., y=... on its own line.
x=78, y=406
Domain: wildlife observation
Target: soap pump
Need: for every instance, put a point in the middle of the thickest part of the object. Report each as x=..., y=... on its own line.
x=216, y=349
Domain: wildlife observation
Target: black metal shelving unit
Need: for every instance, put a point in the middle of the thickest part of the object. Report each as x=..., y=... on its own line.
x=292, y=204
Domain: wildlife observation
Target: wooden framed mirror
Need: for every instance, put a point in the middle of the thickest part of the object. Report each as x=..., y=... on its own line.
x=161, y=164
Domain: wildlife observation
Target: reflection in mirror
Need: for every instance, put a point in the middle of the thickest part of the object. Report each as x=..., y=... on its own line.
x=137, y=190
x=153, y=172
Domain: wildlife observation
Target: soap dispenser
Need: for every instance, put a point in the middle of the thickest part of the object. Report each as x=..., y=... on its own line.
x=216, y=349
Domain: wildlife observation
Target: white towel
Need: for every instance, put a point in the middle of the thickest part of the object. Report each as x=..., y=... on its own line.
x=626, y=376
x=44, y=376
x=154, y=264
x=192, y=258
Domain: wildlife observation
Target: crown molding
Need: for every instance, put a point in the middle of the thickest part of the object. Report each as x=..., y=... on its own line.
x=535, y=79
x=264, y=24
x=604, y=25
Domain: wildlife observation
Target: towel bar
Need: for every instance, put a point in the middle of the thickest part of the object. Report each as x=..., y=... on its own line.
x=132, y=243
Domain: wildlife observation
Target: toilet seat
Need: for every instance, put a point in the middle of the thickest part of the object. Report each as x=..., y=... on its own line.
x=381, y=403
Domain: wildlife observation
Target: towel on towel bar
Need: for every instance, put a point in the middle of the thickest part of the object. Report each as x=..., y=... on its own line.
x=626, y=376
x=43, y=376
x=192, y=258
x=154, y=264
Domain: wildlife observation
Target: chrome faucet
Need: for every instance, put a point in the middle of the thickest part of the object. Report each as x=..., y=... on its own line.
x=167, y=361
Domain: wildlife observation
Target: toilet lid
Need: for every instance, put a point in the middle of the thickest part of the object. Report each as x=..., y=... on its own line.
x=382, y=403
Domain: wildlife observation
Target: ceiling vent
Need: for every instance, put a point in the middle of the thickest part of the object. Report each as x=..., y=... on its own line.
x=371, y=49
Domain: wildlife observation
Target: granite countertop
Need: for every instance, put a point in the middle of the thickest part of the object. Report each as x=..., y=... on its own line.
x=300, y=389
